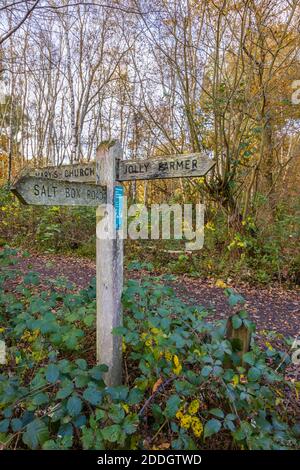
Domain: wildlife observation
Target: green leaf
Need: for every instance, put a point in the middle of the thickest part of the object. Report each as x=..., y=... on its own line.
x=31, y=278
x=112, y=433
x=119, y=331
x=52, y=373
x=36, y=434
x=92, y=395
x=239, y=434
x=82, y=364
x=8, y=412
x=116, y=413
x=234, y=298
x=4, y=425
x=253, y=374
x=87, y=438
x=89, y=320
x=50, y=445
x=74, y=405
x=212, y=427
x=118, y=393
x=250, y=325
x=65, y=391
x=80, y=421
x=236, y=321
x=97, y=371
x=228, y=424
x=40, y=399
x=178, y=339
x=278, y=424
x=64, y=366
x=217, y=412
x=296, y=429
x=157, y=413
x=56, y=339
x=243, y=314
x=71, y=339
x=131, y=423
x=249, y=358
x=231, y=416
x=100, y=414
x=81, y=380
x=16, y=424
x=206, y=370
x=173, y=404
x=135, y=396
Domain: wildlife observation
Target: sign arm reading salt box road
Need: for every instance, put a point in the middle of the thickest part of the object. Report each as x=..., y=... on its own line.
x=71, y=185
x=49, y=192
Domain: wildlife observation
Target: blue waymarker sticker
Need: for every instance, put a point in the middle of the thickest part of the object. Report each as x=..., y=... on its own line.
x=118, y=205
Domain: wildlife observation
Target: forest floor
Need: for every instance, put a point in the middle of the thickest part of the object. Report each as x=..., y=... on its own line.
x=271, y=308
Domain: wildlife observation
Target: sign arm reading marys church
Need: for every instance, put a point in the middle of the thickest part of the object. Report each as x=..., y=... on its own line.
x=85, y=171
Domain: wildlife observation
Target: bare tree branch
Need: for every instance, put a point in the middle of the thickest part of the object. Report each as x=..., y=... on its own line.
x=15, y=28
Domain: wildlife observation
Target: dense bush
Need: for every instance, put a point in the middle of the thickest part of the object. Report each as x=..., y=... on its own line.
x=185, y=385
x=49, y=229
x=256, y=251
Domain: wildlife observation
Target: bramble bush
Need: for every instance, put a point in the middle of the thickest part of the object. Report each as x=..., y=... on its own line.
x=257, y=251
x=185, y=385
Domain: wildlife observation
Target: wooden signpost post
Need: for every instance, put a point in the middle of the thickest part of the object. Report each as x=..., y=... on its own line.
x=71, y=185
x=109, y=261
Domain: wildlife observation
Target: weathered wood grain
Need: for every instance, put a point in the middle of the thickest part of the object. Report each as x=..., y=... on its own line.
x=48, y=192
x=240, y=339
x=109, y=264
x=173, y=166
x=81, y=172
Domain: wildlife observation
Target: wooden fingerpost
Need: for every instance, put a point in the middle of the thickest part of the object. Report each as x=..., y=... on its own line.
x=240, y=338
x=109, y=263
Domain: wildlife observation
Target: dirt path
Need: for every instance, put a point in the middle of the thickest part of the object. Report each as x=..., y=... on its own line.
x=271, y=308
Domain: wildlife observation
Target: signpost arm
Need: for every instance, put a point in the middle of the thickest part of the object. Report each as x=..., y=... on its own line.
x=109, y=263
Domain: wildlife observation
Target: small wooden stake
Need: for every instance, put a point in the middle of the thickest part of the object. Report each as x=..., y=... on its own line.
x=240, y=338
x=109, y=262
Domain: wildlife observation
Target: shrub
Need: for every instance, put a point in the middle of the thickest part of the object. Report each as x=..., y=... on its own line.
x=185, y=385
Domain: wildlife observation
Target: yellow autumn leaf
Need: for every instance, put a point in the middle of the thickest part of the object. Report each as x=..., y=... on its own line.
x=178, y=367
x=168, y=356
x=125, y=407
x=179, y=414
x=176, y=361
x=177, y=370
x=269, y=345
x=196, y=426
x=235, y=380
x=186, y=421
x=194, y=407
x=221, y=284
